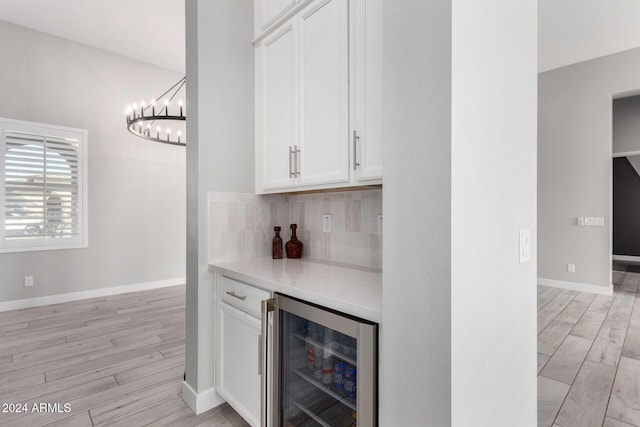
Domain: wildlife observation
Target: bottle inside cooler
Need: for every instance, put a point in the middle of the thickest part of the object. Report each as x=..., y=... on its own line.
x=319, y=385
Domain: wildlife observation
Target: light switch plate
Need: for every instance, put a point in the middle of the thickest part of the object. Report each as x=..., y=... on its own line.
x=525, y=246
x=28, y=281
x=591, y=221
x=594, y=221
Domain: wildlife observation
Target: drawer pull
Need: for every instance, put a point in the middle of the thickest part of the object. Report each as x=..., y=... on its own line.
x=233, y=294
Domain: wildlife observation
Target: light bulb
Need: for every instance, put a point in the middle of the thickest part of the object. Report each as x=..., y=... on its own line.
x=142, y=104
x=180, y=103
x=148, y=125
x=153, y=102
x=158, y=129
x=168, y=131
x=166, y=102
x=128, y=110
x=135, y=106
x=179, y=133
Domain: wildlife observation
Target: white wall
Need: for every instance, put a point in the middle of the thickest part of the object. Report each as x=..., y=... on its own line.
x=460, y=181
x=136, y=188
x=493, y=197
x=219, y=155
x=415, y=348
x=575, y=167
x=626, y=125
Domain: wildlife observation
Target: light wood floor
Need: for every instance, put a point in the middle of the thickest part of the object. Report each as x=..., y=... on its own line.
x=589, y=356
x=115, y=360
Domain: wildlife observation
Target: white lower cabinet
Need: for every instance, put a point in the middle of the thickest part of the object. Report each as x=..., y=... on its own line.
x=238, y=346
x=239, y=381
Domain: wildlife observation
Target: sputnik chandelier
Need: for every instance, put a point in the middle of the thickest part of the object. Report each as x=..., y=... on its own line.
x=144, y=120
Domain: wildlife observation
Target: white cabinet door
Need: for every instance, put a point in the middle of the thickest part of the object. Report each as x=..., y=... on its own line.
x=238, y=379
x=366, y=58
x=324, y=93
x=276, y=112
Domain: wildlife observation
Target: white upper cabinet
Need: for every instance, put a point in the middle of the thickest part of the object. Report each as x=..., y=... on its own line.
x=366, y=66
x=324, y=93
x=319, y=97
x=276, y=109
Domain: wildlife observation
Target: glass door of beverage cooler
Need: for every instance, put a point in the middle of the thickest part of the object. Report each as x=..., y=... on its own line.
x=325, y=367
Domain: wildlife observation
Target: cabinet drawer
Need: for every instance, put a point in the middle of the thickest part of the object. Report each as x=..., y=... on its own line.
x=240, y=295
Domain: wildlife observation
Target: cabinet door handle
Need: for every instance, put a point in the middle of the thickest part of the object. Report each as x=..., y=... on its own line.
x=291, y=153
x=261, y=354
x=240, y=297
x=296, y=152
x=356, y=138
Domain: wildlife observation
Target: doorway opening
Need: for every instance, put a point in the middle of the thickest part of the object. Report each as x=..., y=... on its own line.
x=626, y=184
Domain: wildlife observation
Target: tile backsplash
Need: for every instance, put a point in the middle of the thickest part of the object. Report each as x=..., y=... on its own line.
x=241, y=225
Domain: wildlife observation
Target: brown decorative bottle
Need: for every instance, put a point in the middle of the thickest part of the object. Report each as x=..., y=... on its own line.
x=276, y=245
x=294, y=246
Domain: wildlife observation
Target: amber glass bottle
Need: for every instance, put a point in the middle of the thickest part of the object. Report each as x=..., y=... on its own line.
x=294, y=246
x=276, y=246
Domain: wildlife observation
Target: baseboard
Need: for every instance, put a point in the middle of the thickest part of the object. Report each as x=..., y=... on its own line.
x=627, y=258
x=574, y=286
x=95, y=293
x=200, y=402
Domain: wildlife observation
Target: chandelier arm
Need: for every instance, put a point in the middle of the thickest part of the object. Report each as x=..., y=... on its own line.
x=181, y=82
x=177, y=90
x=172, y=95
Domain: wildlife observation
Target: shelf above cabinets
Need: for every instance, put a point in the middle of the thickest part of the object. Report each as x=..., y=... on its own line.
x=319, y=97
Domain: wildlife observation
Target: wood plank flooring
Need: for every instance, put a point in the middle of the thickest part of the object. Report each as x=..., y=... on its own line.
x=589, y=355
x=116, y=361
x=119, y=360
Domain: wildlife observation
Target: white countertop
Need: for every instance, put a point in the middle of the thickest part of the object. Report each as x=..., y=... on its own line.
x=349, y=289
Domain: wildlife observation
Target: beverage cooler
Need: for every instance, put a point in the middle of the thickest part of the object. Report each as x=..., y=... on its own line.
x=323, y=366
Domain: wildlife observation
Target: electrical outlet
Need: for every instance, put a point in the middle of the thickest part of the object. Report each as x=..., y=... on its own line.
x=28, y=281
x=326, y=223
x=571, y=268
x=379, y=224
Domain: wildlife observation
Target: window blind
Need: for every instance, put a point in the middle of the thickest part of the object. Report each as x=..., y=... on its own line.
x=42, y=188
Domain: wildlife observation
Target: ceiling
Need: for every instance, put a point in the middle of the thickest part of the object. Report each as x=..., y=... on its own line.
x=151, y=31
x=573, y=31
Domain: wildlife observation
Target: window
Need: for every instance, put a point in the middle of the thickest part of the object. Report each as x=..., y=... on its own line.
x=44, y=187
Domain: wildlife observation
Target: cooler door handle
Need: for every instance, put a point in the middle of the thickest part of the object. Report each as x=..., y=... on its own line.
x=266, y=307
